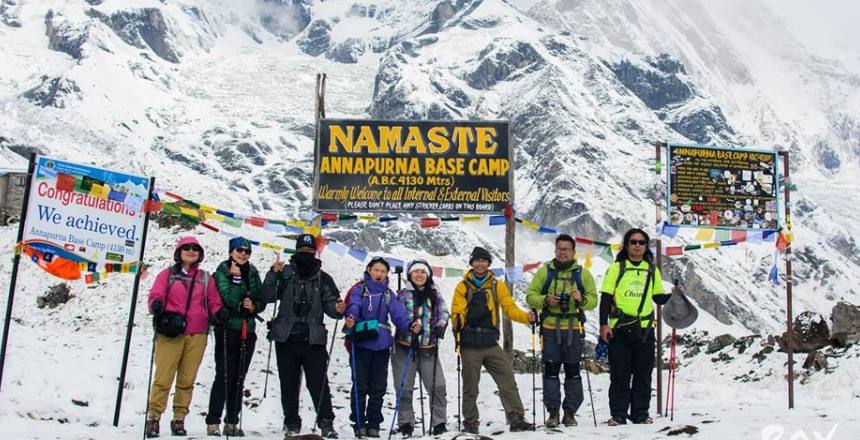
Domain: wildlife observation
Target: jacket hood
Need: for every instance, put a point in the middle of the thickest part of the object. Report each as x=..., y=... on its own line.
x=182, y=242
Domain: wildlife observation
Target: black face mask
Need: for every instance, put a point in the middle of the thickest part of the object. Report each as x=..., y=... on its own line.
x=563, y=266
x=304, y=263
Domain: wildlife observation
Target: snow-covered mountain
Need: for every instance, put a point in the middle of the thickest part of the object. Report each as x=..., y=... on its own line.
x=215, y=99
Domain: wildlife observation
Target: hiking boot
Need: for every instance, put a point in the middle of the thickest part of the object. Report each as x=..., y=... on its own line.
x=644, y=421
x=615, y=421
x=293, y=430
x=569, y=419
x=406, y=430
x=151, y=428
x=233, y=430
x=470, y=426
x=326, y=429
x=213, y=430
x=519, y=424
x=439, y=429
x=552, y=420
x=177, y=428
x=361, y=432
x=372, y=433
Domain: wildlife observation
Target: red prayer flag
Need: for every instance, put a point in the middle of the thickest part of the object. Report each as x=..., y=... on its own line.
x=531, y=266
x=739, y=236
x=781, y=243
x=327, y=216
x=256, y=221
x=152, y=206
x=65, y=182
x=437, y=271
x=509, y=210
x=430, y=222
x=674, y=251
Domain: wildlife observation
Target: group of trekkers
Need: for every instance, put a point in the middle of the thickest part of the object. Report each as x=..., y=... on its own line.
x=403, y=328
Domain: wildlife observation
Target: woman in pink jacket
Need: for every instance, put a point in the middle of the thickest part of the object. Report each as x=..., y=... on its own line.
x=182, y=300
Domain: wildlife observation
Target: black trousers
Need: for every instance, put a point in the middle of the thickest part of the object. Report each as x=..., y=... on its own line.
x=233, y=395
x=371, y=372
x=293, y=359
x=630, y=358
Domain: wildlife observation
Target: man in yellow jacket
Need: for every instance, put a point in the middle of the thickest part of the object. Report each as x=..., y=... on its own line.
x=475, y=318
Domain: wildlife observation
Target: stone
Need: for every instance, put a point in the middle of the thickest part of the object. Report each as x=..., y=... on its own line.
x=56, y=295
x=720, y=342
x=810, y=333
x=846, y=324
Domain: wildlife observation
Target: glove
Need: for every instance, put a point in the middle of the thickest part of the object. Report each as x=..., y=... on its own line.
x=222, y=316
x=157, y=307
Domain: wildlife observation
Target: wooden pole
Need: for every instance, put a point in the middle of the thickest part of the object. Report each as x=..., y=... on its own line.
x=788, y=281
x=510, y=255
x=658, y=149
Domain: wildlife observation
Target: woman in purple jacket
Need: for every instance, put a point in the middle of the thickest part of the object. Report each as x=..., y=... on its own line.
x=372, y=299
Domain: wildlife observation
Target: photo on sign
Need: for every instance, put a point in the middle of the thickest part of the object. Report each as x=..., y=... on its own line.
x=722, y=188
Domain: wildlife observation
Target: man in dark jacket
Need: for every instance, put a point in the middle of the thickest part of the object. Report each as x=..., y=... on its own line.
x=305, y=293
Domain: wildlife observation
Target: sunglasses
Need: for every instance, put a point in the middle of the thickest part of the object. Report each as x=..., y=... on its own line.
x=639, y=242
x=243, y=251
x=190, y=247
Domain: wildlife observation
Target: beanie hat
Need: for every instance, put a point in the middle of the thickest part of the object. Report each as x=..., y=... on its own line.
x=306, y=240
x=422, y=265
x=239, y=243
x=481, y=253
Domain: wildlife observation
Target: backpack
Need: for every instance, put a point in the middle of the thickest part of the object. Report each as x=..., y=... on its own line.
x=577, y=278
x=470, y=293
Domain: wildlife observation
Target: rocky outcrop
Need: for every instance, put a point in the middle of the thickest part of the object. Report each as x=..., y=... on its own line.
x=810, y=334
x=57, y=92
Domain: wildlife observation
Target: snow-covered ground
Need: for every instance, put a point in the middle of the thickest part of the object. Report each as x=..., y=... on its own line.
x=777, y=84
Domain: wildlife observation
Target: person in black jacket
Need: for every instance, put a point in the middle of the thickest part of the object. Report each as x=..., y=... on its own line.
x=305, y=293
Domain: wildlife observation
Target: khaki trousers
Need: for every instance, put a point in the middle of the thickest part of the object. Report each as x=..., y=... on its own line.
x=175, y=358
x=500, y=369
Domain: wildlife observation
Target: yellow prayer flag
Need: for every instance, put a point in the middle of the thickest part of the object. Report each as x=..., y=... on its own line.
x=272, y=246
x=100, y=191
x=212, y=216
x=313, y=230
x=588, y=260
x=189, y=212
x=368, y=218
x=710, y=245
x=470, y=218
x=616, y=247
x=789, y=237
x=530, y=225
x=297, y=223
x=207, y=208
x=704, y=234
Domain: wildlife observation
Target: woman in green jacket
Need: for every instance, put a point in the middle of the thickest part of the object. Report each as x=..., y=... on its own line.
x=239, y=284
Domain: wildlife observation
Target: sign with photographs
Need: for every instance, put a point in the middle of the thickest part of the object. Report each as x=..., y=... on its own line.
x=412, y=166
x=722, y=188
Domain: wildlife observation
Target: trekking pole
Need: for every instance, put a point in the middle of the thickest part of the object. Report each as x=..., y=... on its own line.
x=240, y=374
x=409, y=355
x=269, y=356
x=325, y=377
x=459, y=399
x=149, y=384
x=416, y=343
x=355, y=386
x=670, y=392
x=433, y=381
x=226, y=385
x=534, y=368
x=587, y=373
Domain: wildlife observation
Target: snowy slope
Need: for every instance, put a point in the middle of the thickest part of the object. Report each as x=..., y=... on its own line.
x=215, y=99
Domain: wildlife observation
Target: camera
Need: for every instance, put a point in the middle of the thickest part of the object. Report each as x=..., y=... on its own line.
x=564, y=302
